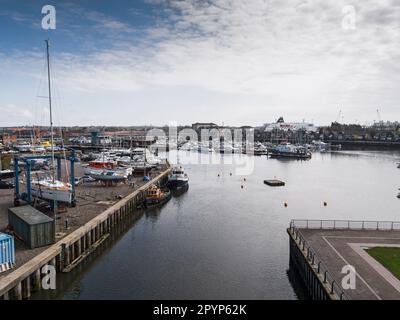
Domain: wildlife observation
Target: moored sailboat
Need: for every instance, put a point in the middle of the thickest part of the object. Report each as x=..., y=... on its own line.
x=51, y=189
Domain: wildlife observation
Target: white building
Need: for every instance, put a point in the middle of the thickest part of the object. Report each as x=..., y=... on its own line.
x=290, y=126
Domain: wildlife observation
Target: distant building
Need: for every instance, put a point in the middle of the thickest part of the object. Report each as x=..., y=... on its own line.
x=198, y=125
x=290, y=126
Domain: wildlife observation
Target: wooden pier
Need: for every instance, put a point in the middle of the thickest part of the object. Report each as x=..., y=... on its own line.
x=67, y=253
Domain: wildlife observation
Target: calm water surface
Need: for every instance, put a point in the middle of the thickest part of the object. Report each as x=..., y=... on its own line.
x=221, y=241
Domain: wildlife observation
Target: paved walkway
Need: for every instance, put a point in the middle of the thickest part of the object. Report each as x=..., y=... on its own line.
x=337, y=248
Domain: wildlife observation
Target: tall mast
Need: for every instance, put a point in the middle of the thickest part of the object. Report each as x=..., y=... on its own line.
x=51, y=112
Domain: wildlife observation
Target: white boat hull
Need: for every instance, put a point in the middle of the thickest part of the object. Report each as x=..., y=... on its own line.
x=50, y=194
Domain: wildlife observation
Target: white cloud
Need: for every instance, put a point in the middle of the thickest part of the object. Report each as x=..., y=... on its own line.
x=14, y=114
x=292, y=56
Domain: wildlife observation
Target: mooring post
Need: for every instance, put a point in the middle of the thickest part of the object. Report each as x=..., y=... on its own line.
x=18, y=291
x=65, y=251
x=58, y=262
x=89, y=239
x=78, y=247
x=6, y=296
x=72, y=249
x=36, y=280
x=83, y=241
x=26, y=288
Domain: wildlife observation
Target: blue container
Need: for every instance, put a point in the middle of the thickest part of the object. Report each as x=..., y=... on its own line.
x=7, y=252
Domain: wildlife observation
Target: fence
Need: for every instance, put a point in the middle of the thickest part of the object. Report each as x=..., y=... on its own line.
x=345, y=225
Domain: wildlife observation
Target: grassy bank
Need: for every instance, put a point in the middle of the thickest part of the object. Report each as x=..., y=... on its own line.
x=389, y=257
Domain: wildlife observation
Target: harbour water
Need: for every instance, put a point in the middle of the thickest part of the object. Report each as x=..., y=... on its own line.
x=225, y=238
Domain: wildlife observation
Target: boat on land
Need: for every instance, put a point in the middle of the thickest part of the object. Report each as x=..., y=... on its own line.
x=289, y=151
x=51, y=189
x=156, y=197
x=107, y=170
x=178, y=178
x=6, y=185
x=7, y=174
x=22, y=147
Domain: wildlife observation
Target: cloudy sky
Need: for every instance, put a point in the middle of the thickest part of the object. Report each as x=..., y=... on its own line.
x=235, y=62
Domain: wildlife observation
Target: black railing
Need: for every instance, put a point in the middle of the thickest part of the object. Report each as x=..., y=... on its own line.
x=316, y=263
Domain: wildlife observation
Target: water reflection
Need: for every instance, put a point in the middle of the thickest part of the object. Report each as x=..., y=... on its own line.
x=220, y=241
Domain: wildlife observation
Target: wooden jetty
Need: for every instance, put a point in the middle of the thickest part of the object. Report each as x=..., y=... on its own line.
x=73, y=248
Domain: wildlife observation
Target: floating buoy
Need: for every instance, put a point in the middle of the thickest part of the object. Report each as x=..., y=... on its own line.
x=218, y=174
x=230, y=173
x=244, y=179
x=325, y=204
x=285, y=204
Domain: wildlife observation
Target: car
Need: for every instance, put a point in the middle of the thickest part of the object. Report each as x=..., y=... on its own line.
x=83, y=179
x=78, y=181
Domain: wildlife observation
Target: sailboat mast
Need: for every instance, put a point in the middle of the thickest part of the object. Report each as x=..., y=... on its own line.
x=51, y=112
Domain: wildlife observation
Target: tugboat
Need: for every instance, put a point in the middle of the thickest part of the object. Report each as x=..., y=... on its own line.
x=177, y=178
x=287, y=150
x=155, y=197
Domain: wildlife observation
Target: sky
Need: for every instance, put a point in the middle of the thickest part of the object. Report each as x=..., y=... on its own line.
x=231, y=62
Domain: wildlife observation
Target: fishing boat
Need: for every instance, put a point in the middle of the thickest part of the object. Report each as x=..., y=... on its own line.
x=177, y=178
x=51, y=189
x=155, y=197
x=287, y=150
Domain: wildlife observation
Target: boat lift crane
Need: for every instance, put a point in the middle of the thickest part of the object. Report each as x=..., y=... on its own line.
x=30, y=161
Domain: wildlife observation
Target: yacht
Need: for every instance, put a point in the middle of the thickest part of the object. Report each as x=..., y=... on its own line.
x=51, y=189
x=22, y=147
x=287, y=150
x=177, y=178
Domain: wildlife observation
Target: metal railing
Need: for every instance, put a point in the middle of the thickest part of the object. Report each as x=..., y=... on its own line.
x=333, y=285
x=345, y=225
